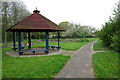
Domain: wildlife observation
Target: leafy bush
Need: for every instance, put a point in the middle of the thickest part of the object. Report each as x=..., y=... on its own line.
x=110, y=33
x=116, y=42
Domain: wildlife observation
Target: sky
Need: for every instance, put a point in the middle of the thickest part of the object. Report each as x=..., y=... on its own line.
x=85, y=12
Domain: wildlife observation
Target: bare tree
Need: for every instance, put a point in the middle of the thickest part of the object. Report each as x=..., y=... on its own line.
x=12, y=12
x=5, y=16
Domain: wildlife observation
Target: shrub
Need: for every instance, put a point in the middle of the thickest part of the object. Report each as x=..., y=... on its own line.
x=110, y=33
x=116, y=41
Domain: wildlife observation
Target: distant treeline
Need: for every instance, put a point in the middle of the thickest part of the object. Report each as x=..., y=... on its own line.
x=74, y=30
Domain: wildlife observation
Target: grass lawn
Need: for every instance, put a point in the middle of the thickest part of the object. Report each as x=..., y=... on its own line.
x=64, y=45
x=0, y=62
x=32, y=67
x=37, y=67
x=70, y=45
x=105, y=63
x=99, y=46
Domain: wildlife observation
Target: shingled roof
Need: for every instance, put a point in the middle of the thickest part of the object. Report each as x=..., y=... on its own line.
x=35, y=23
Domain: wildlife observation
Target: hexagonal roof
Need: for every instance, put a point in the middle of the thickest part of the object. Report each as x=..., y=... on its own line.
x=35, y=23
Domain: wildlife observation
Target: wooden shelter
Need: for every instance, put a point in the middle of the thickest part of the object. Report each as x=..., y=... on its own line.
x=34, y=23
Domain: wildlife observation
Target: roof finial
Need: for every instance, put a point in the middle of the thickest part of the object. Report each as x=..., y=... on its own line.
x=36, y=11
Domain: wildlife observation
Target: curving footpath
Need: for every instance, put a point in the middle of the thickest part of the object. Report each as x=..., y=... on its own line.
x=80, y=65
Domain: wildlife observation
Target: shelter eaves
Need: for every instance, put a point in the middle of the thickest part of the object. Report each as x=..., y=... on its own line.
x=35, y=23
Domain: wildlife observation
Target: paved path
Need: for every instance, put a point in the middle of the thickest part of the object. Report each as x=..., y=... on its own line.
x=80, y=65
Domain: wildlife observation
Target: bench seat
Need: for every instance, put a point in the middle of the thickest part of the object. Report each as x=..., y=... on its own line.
x=33, y=51
x=55, y=47
x=21, y=47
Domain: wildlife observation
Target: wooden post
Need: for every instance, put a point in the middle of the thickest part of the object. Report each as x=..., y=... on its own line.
x=19, y=42
x=29, y=40
x=14, y=48
x=47, y=43
x=58, y=40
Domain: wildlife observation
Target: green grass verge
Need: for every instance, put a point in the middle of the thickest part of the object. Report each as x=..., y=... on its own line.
x=32, y=67
x=37, y=67
x=99, y=46
x=0, y=62
x=64, y=45
x=38, y=44
x=70, y=45
x=106, y=64
x=92, y=39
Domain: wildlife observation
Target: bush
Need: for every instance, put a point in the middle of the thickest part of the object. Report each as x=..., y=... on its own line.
x=116, y=41
x=110, y=33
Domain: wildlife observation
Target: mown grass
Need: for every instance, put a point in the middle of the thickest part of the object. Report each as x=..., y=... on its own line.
x=92, y=39
x=0, y=61
x=70, y=45
x=99, y=46
x=37, y=67
x=32, y=67
x=39, y=43
x=74, y=45
x=106, y=64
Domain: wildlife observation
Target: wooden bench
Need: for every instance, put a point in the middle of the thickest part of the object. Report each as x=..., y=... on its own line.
x=33, y=51
x=55, y=47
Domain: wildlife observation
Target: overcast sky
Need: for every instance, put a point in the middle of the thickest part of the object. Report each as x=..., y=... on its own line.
x=85, y=12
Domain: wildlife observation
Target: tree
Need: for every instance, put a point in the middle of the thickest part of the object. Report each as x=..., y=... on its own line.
x=66, y=25
x=76, y=30
x=5, y=16
x=12, y=12
x=111, y=30
x=18, y=11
